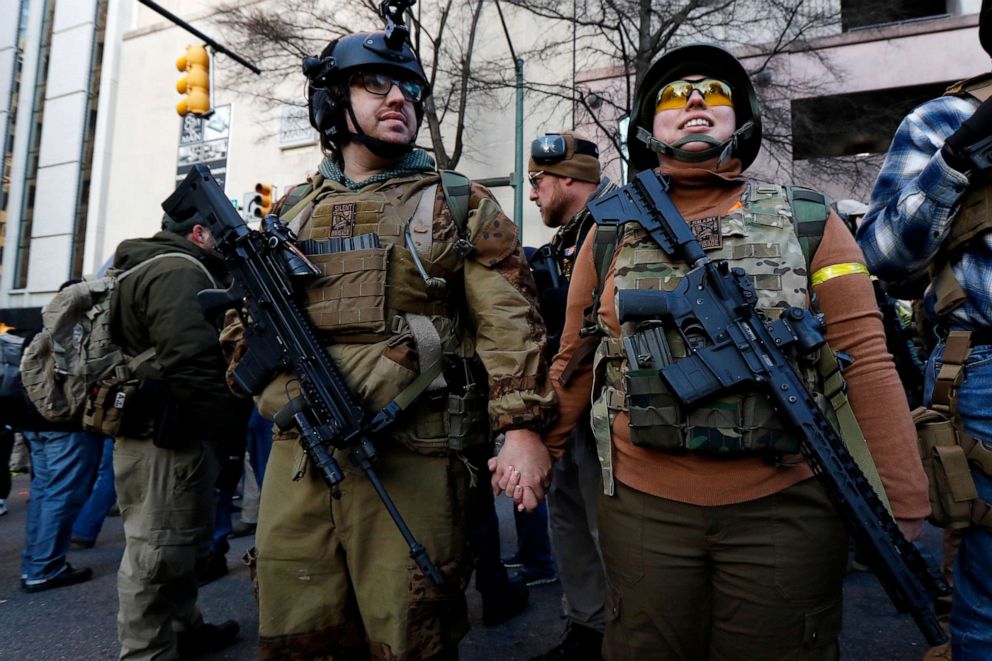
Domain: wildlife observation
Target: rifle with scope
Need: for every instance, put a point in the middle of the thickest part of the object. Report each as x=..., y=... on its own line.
x=731, y=347
x=268, y=272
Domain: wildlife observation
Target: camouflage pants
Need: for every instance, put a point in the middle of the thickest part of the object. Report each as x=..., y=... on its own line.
x=167, y=506
x=334, y=574
x=753, y=580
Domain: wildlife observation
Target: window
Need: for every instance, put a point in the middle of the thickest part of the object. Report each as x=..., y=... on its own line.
x=7, y=138
x=858, y=123
x=89, y=135
x=865, y=13
x=31, y=172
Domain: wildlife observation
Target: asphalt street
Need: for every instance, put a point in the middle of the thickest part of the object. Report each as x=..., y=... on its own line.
x=78, y=622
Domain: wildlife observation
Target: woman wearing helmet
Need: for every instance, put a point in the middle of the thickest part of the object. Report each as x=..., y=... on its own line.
x=717, y=542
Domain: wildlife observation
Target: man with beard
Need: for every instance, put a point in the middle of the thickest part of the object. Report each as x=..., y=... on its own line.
x=425, y=298
x=564, y=173
x=165, y=483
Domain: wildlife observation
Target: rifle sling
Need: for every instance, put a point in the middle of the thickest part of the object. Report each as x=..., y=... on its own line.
x=835, y=390
x=582, y=352
x=417, y=387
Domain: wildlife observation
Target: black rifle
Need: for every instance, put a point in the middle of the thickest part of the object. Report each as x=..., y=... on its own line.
x=731, y=346
x=899, y=341
x=266, y=267
x=552, y=292
x=547, y=269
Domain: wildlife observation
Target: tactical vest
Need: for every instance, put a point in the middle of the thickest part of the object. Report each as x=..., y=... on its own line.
x=973, y=219
x=762, y=235
x=381, y=321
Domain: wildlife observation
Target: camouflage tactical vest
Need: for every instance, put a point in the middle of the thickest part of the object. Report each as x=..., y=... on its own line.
x=759, y=235
x=381, y=323
x=974, y=216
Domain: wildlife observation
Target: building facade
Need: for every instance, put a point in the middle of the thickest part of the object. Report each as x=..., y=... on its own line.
x=92, y=143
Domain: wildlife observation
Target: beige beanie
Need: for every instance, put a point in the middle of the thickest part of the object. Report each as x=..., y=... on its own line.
x=580, y=160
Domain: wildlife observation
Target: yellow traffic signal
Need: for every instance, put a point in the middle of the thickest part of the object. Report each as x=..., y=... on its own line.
x=263, y=199
x=196, y=83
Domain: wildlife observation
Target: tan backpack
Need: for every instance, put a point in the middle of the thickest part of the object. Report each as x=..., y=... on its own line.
x=74, y=366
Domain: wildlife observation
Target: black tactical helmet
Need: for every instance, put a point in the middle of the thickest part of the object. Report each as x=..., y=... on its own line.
x=686, y=60
x=327, y=81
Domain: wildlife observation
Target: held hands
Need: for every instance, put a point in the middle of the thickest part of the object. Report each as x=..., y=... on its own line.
x=522, y=469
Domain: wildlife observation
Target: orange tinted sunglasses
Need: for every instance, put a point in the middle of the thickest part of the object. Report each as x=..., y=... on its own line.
x=675, y=94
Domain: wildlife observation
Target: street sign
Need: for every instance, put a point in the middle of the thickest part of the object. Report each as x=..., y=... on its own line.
x=204, y=141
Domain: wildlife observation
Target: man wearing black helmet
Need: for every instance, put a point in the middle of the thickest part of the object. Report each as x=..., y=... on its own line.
x=423, y=277
x=930, y=213
x=717, y=542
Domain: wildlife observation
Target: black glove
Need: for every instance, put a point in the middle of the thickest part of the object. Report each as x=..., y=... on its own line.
x=971, y=131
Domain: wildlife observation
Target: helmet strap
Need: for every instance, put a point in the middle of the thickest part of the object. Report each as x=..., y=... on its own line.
x=725, y=150
x=674, y=150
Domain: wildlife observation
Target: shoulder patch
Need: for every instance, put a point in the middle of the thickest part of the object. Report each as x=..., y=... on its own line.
x=496, y=239
x=707, y=231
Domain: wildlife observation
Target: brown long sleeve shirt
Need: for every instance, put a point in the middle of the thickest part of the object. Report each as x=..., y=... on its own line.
x=853, y=326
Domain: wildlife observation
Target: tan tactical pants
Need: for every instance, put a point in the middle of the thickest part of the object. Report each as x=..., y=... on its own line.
x=754, y=580
x=334, y=574
x=167, y=505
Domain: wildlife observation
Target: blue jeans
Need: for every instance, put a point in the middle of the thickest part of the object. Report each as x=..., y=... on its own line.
x=102, y=498
x=971, y=612
x=259, y=444
x=223, y=523
x=533, y=540
x=63, y=468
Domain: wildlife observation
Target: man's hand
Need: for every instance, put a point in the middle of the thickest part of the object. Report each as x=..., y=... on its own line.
x=911, y=529
x=522, y=469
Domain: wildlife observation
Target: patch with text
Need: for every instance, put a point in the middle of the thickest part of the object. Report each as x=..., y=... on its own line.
x=707, y=231
x=342, y=220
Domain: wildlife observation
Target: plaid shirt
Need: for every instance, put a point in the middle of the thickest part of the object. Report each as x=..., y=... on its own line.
x=912, y=208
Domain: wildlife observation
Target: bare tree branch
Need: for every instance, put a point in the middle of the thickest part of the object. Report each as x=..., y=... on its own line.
x=444, y=34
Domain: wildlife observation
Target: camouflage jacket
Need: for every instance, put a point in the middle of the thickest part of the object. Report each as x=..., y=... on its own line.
x=368, y=303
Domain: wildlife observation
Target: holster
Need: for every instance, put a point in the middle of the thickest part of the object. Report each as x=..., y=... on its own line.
x=948, y=453
x=125, y=407
x=465, y=421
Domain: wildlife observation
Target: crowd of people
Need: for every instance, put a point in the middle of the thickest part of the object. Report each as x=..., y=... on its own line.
x=679, y=528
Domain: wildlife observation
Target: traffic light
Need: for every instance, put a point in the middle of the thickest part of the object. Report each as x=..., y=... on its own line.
x=196, y=83
x=263, y=199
